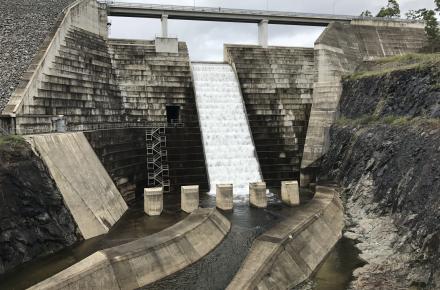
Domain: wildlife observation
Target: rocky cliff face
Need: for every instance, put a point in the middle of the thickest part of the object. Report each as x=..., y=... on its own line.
x=385, y=150
x=33, y=218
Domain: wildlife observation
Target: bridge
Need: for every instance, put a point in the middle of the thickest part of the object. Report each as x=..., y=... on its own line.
x=260, y=17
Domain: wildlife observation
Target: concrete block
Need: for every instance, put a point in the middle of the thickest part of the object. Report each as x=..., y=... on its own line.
x=153, y=201
x=168, y=45
x=257, y=194
x=290, y=192
x=224, y=196
x=189, y=198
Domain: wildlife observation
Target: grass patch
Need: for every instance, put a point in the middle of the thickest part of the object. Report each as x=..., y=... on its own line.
x=12, y=141
x=387, y=65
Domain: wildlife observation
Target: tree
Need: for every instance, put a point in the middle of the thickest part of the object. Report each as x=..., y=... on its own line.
x=367, y=13
x=432, y=27
x=391, y=10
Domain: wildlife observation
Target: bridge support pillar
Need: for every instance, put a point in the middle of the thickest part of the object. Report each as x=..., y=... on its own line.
x=263, y=33
x=164, y=24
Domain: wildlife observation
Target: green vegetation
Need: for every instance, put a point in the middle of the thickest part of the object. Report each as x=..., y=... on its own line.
x=431, y=24
x=401, y=62
x=429, y=16
x=366, y=13
x=392, y=10
x=12, y=141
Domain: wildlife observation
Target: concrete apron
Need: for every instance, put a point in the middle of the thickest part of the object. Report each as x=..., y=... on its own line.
x=289, y=253
x=144, y=261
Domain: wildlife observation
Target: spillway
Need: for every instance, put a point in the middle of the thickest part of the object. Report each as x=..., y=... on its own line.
x=230, y=152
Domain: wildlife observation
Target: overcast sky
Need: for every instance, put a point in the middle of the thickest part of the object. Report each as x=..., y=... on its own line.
x=205, y=39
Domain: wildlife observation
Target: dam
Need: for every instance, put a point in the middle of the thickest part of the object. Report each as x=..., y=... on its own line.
x=98, y=131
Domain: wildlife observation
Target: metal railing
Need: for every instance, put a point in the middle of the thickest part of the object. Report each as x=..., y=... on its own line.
x=248, y=12
x=106, y=126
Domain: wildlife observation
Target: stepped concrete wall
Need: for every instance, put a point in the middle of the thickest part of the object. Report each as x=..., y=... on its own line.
x=338, y=51
x=123, y=154
x=149, y=82
x=88, y=191
x=139, y=263
x=277, y=87
x=44, y=90
x=290, y=252
x=24, y=26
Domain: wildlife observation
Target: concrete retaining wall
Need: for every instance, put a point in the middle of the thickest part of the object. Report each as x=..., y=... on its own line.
x=339, y=50
x=87, y=189
x=146, y=260
x=290, y=252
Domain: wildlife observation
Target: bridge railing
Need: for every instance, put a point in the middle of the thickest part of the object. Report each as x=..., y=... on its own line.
x=262, y=13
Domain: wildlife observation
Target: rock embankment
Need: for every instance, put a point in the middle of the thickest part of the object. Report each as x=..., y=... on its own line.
x=24, y=25
x=385, y=150
x=33, y=218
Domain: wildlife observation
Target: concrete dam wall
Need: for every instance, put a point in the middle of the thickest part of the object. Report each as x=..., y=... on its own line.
x=152, y=84
x=139, y=263
x=339, y=50
x=24, y=27
x=122, y=152
x=277, y=86
x=78, y=62
x=88, y=191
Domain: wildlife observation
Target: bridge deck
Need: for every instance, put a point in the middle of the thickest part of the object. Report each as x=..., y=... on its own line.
x=222, y=14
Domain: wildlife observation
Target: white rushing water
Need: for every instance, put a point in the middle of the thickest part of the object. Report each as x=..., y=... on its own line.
x=230, y=152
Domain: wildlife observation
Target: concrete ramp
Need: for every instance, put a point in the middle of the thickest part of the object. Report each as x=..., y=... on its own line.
x=87, y=189
x=290, y=252
x=144, y=261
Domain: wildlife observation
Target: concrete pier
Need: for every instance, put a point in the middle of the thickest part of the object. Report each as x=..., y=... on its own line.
x=290, y=192
x=189, y=198
x=153, y=201
x=257, y=194
x=224, y=196
x=164, y=25
x=263, y=33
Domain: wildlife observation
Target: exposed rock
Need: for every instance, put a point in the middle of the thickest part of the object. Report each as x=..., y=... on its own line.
x=390, y=167
x=24, y=25
x=33, y=218
x=391, y=173
x=411, y=93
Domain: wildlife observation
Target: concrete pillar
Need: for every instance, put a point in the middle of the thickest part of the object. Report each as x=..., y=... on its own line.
x=164, y=22
x=290, y=192
x=263, y=33
x=257, y=194
x=189, y=198
x=153, y=201
x=224, y=196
